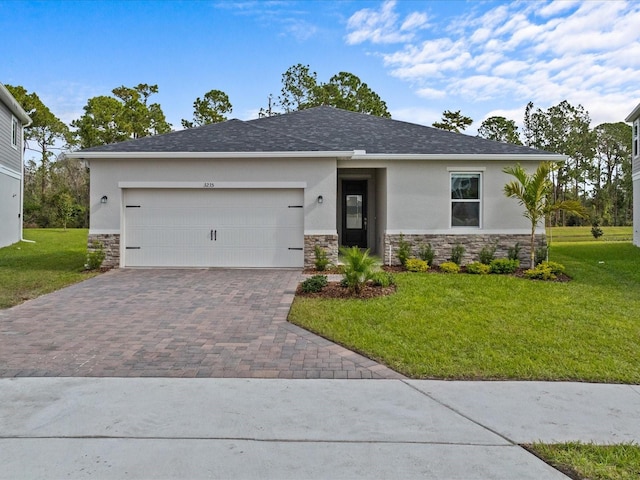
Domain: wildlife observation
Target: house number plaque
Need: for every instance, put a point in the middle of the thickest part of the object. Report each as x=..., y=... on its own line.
x=209, y=185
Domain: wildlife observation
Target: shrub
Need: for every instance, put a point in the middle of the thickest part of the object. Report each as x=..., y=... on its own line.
x=322, y=261
x=404, y=250
x=478, y=268
x=358, y=267
x=556, y=268
x=426, y=253
x=95, y=256
x=504, y=265
x=456, y=254
x=449, y=267
x=540, y=272
x=596, y=231
x=487, y=254
x=513, y=253
x=314, y=284
x=540, y=255
x=416, y=265
x=383, y=279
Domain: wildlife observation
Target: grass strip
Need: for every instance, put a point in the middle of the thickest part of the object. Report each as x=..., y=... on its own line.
x=54, y=261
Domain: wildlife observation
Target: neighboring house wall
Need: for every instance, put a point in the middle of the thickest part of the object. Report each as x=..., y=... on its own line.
x=10, y=177
x=634, y=119
x=636, y=182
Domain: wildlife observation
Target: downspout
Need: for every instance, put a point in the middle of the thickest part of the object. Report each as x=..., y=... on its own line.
x=22, y=239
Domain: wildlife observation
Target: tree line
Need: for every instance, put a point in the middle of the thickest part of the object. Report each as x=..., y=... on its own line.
x=597, y=173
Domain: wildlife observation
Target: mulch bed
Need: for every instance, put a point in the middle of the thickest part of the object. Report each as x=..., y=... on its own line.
x=335, y=290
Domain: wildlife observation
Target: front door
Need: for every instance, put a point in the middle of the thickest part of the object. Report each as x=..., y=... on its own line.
x=354, y=213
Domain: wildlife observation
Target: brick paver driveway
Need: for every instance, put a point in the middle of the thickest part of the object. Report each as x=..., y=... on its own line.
x=172, y=323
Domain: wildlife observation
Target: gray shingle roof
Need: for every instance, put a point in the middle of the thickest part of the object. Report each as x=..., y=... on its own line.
x=317, y=129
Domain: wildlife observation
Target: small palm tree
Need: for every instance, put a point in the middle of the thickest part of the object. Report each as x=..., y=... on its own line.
x=532, y=192
x=358, y=267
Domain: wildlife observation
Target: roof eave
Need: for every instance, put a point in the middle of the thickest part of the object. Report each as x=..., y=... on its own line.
x=10, y=101
x=158, y=155
x=633, y=115
x=539, y=157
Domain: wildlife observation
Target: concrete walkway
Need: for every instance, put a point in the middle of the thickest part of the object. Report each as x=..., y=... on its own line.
x=114, y=428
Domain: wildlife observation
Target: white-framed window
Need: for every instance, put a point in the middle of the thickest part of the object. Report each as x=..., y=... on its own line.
x=636, y=137
x=15, y=131
x=466, y=199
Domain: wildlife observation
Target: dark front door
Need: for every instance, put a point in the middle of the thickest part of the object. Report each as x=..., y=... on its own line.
x=354, y=213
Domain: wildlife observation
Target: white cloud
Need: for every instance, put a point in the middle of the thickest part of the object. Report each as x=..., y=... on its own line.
x=414, y=20
x=382, y=26
x=507, y=55
x=419, y=115
x=431, y=93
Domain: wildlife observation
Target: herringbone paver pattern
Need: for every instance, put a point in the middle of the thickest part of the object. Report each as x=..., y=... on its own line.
x=172, y=323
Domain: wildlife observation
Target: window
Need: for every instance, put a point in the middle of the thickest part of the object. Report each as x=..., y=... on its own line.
x=465, y=199
x=636, y=138
x=14, y=132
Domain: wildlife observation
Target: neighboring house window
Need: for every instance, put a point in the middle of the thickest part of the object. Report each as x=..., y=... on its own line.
x=465, y=199
x=14, y=132
x=636, y=138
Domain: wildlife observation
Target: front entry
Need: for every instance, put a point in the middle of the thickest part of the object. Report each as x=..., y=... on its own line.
x=354, y=213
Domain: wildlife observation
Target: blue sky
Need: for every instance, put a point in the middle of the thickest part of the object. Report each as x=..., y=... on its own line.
x=422, y=57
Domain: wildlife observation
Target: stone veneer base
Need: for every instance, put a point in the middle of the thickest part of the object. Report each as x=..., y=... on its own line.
x=473, y=244
x=111, y=245
x=328, y=242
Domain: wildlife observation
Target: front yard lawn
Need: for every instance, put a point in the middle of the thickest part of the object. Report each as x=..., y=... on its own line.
x=56, y=260
x=500, y=327
x=579, y=460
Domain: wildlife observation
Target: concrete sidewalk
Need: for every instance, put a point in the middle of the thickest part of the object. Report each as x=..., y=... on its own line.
x=159, y=428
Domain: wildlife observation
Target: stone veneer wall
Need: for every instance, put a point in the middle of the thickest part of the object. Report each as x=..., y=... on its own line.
x=443, y=244
x=110, y=244
x=328, y=242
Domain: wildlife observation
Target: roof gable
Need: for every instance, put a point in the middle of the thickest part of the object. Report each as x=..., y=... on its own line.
x=319, y=129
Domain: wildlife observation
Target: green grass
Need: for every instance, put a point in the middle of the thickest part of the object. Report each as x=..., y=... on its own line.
x=610, y=462
x=56, y=260
x=583, y=234
x=500, y=327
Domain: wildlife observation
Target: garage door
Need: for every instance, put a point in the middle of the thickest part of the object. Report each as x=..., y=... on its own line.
x=214, y=228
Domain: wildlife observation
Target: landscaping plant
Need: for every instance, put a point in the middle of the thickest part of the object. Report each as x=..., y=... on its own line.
x=426, y=253
x=95, y=256
x=478, y=268
x=487, y=254
x=504, y=265
x=416, y=265
x=456, y=254
x=322, y=261
x=449, y=267
x=404, y=250
x=532, y=192
x=314, y=284
x=358, y=268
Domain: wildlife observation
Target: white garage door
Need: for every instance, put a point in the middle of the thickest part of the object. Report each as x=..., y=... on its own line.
x=214, y=228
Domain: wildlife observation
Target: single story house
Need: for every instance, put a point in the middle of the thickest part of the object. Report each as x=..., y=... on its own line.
x=265, y=192
x=13, y=119
x=634, y=119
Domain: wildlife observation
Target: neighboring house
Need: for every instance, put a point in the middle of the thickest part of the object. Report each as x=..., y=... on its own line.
x=264, y=192
x=12, y=121
x=634, y=119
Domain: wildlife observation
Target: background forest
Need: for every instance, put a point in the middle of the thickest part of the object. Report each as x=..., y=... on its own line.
x=597, y=172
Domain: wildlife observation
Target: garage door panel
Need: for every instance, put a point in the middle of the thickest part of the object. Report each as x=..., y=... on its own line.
x=251, y=228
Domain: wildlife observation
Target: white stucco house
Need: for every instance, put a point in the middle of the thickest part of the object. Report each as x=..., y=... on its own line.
x=13, y=119
x=264, y=192
x=634, y=119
